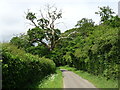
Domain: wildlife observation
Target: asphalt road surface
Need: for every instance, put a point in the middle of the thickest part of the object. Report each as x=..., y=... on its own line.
x=72, y=80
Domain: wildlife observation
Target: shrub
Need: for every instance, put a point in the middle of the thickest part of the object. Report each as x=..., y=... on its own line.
x=20, y=68
x=97, y=53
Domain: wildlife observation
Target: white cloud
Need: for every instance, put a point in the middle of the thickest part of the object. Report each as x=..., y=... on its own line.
x=12, y=17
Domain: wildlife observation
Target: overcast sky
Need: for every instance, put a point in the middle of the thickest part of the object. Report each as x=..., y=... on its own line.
x=12, y=13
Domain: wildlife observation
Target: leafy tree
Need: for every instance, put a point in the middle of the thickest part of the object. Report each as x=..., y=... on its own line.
x=44, y=31
x=39, y=50
x=29, y=45
x=113, y=22
x=107, y=17
x=96, y=54
x=22, y=41
x=105, y=13
x=85, y=26
x=84, y=22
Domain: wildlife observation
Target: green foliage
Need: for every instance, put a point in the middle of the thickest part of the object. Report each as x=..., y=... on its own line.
x=36, y=34
x=113, y=22
x=52, y=81
x=90, y=48
x=44, y=31
x=39, y=50
x=27, y=42
x=30, y=16
x=68, y=57
x=105, y=13
x=21, y=69
x=107, y=17
x=97, y=53
x=84, y=22
x=84, y=26
x=21, y=41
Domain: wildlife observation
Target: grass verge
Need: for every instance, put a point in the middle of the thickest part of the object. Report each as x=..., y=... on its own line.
x=52, y=81
x=98, y=81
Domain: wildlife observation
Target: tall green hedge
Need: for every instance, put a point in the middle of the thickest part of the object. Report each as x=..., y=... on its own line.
x=20, y=69
x=97, y=53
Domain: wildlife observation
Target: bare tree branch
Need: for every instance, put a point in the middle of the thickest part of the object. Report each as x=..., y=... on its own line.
x=34, y=23
x=41, y=13
x=47, y=24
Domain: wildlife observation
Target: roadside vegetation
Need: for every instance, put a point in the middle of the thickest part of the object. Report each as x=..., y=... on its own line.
x=98, y=81
x=53, y=81
x=21, y=69
x=93, y=50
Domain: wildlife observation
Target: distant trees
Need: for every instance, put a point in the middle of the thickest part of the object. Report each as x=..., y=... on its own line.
x=22, y=41
x=107, y=17
x=113, y=22
x=85, y=26
x=44, y=31
x=42, y=38
x=25, y=42
x=105, y=13
x=84, y=22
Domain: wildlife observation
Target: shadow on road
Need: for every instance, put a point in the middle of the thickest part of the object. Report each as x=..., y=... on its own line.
x=63, y=70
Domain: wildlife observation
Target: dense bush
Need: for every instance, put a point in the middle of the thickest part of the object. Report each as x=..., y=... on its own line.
x=23, y=41
x=39, y=50
x=96, y=53
x=20, y=69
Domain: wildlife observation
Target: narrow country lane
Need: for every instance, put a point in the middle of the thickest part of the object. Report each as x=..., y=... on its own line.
x=72, y=80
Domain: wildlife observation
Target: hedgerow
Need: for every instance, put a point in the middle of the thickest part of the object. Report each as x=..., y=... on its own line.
x=96, y=53
x=20, y=69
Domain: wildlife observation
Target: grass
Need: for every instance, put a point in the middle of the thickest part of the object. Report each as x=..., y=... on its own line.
x=52, y=81
x=98, y=81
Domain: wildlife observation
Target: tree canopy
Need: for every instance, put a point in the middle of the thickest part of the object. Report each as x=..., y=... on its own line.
x=84, y=22
x=44, y=31
x=105, y=13
x=88, y=47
